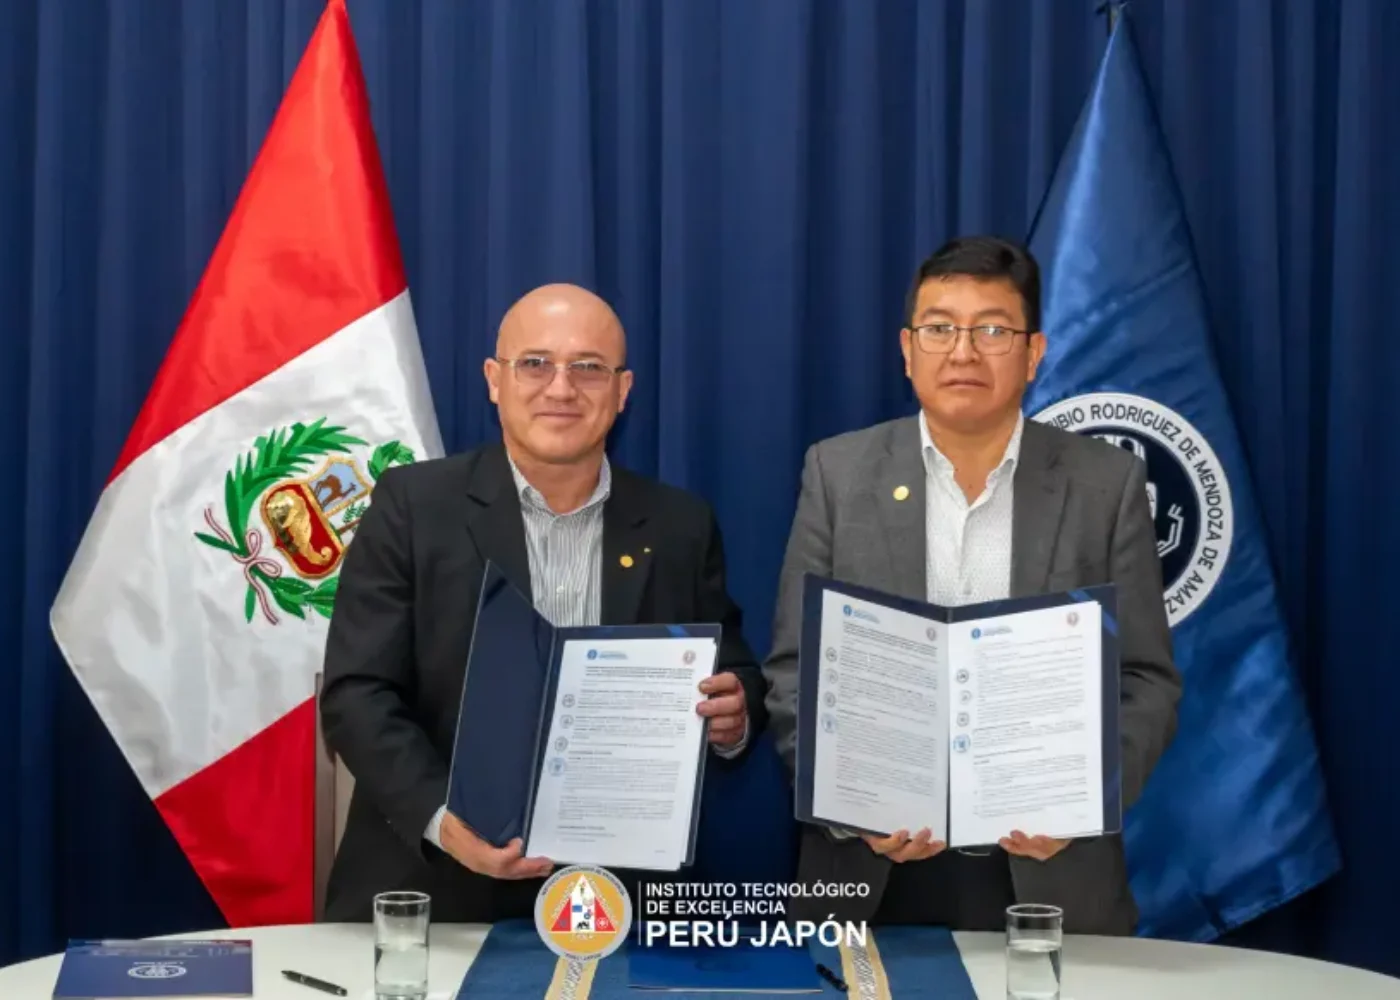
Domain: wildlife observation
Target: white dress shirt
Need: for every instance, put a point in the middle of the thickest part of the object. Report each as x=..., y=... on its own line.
x=968, y=545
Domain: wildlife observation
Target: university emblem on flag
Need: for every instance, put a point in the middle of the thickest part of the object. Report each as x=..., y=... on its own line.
x=583, y=912
x=1187, y=489
x=290, y=507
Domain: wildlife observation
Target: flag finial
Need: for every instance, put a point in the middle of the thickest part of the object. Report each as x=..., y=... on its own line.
x=1113, y=8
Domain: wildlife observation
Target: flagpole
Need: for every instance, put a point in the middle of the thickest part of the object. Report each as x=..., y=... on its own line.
x=1113, y=8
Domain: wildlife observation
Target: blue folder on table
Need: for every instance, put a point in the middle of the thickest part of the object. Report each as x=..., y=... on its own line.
x=508, y=695
x=812, y=657
x=118, y=970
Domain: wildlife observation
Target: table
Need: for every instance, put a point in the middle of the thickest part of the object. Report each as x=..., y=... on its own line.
x=1094, y=969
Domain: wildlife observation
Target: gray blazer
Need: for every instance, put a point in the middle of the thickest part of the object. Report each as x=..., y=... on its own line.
x=1081, y=517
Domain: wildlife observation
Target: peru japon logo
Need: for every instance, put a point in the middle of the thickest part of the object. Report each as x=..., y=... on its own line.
x=583, y=912
x=1187, y=489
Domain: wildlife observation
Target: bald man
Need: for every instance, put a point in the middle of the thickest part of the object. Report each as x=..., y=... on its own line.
x=547, y=507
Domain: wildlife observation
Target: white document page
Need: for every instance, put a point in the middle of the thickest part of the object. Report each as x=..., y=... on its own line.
x=879, y=760
x=1026, y=741
x=617, y=787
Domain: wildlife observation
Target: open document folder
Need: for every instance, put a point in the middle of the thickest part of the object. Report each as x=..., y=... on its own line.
x=970, y=721
x=583, y=741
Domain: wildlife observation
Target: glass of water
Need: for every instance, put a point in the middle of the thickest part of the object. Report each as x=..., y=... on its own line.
x=1034, y=935
x=401, y=945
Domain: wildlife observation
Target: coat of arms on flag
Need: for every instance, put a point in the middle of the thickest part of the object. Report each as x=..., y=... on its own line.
x=308, y=519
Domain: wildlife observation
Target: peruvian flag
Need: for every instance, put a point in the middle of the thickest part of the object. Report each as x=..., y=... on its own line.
x=194, y=613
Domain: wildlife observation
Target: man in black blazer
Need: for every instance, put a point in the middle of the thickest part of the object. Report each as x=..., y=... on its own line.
x=592, y=544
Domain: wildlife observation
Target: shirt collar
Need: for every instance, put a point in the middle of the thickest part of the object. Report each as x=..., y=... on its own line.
x=528, y=494
x=935, y=459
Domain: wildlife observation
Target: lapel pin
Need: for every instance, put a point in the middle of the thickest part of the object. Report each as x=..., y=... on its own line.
x=626, y=562
x=901, y=493
x=647, y=550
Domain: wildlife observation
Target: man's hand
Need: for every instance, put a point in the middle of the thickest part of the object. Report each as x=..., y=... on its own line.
x=498, y=862
x=1040, y=848
x=725, y=708
x=899, y=847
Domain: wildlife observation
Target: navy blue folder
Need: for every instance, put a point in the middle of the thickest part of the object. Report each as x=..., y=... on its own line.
x=506, y=710
x=809, y=667
x=115, y=970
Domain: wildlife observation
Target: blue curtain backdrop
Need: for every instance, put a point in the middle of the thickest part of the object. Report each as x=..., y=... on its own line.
x=751, y=184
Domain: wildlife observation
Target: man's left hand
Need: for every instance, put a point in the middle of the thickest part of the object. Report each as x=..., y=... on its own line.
x=725, y=708
x=1040, y=848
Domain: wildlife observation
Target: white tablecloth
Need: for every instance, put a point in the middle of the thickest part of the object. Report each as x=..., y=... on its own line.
x=1094, y=968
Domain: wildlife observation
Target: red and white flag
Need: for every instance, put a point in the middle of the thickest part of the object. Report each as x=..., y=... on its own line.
x=194, y=613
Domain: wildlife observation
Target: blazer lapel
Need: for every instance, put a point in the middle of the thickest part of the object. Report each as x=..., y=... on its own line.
x=1035, y=519
x=900, y=505
x=495, y=522
x=627, y=550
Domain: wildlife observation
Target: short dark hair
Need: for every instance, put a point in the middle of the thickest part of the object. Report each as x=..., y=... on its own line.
x=983, y=257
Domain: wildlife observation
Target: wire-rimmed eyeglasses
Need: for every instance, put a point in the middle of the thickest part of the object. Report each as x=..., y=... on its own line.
x=942, y=338
x=541, y=371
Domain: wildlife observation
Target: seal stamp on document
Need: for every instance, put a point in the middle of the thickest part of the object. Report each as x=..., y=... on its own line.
x=583, y=912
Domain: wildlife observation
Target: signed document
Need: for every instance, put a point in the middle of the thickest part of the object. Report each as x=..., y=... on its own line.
x=584, y=742
x=969, y=721
x=623, y=753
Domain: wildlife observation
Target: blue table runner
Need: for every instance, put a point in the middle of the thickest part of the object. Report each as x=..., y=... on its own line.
x=896, y=963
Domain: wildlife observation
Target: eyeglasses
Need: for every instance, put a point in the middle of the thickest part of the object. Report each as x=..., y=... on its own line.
x=942, y=338
x=541, y=371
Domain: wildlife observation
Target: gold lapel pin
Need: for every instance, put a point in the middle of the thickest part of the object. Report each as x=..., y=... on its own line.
x=626, y=562
x=901, y=493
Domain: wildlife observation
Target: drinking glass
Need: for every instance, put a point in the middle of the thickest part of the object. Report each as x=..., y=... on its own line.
x=1034, y=936
x=401, y=945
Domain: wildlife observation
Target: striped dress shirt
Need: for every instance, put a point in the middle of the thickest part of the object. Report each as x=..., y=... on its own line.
x=566, y=553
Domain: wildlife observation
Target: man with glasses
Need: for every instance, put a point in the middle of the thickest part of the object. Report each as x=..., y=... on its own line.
x=592, y=543
x=970, y=502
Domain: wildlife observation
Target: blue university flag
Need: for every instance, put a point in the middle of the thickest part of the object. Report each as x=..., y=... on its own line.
x=1234, y=820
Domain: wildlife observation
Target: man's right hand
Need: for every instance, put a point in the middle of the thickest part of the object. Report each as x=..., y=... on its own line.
x=899, y=847
x=479, y=856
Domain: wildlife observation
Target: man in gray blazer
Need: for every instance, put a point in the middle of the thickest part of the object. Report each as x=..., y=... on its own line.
x=969, y=501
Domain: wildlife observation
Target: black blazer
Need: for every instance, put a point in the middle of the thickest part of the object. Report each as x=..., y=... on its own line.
x=401, y=631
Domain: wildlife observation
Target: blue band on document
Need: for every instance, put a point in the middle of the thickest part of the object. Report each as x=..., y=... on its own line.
x=1109, y=622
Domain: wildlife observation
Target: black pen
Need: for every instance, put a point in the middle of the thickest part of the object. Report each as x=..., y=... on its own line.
x=831, y=977
x=314, y=983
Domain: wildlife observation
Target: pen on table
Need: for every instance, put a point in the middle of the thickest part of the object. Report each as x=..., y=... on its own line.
x=314, y=983
x=831, y=977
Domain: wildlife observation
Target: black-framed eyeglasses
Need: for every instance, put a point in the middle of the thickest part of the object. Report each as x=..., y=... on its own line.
x=541, y=371
x=942, y=338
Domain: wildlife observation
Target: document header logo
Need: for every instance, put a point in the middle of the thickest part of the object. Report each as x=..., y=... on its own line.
x=583, y=912
x=1187, y=489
